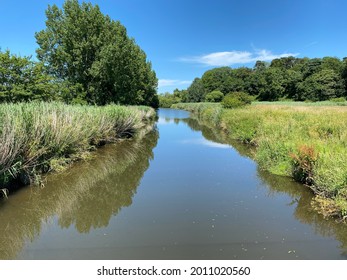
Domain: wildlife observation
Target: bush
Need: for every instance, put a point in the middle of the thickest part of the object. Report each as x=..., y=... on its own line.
x=214, y=96
x=236, y=99
x=338, y=99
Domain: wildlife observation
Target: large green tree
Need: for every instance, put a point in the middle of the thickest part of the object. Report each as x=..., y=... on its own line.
x=82, y=46
x=196, y=91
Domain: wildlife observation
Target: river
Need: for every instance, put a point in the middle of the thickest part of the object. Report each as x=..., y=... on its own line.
x=180, y=192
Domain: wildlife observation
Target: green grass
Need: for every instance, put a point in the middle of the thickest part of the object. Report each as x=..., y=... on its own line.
x=308, y=143
x=39, y=137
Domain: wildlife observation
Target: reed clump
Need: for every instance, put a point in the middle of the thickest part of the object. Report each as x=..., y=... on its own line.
x=39, y=137
x=307, y=143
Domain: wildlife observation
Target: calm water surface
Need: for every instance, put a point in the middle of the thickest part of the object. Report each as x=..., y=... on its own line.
x=180, y=192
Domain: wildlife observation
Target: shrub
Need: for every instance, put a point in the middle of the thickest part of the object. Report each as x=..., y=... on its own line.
x=338, y=99
x=236, y=99
x=214, y=96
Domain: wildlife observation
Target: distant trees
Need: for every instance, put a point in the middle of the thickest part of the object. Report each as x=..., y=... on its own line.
x=323, y=85
x=284, y=78
x=226, y=79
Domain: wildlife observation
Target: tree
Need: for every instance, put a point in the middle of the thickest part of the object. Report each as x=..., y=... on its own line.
x=226, y=79
x=344, y=74
x=196, y=91
x=23, y=80
x=322, y=85
x=81, y=46
x=284, y=63
x=274, y=85
x=311, y=66
x=291, y=79
x=332, y=63
x=217, y=79
x=260, y=66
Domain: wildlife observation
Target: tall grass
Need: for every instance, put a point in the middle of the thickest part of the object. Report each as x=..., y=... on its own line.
x=39, y=137
x=308, y=143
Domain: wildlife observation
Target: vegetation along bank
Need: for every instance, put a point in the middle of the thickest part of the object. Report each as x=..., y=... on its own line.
x=39, y=137
x=307, y=143
x=48, y=106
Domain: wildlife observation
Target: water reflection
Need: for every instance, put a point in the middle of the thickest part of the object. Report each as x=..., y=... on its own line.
x=301, y=196
x=200, y=199
x=85, y=197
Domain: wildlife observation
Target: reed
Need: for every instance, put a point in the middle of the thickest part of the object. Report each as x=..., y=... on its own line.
x=39, y=137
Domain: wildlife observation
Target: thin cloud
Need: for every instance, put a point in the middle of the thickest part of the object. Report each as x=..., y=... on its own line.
x=170, y=83
x=235, y=57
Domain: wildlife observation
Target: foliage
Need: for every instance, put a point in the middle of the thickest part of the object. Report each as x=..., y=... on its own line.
x=226, y=79
x=323, y=85
x=83, y=47
x=214, y=96
x=35, y=135
x=273, y=87
x=294, y=78
x=167, y=100
x=196, y=91
x=23, y=80
x=236, y=99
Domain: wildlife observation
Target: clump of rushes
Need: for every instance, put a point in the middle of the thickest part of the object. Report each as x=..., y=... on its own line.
x=303, y=164
x=307, y=143
x=39, y=137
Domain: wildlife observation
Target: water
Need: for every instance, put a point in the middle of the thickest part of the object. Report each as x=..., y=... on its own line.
x=180, y=192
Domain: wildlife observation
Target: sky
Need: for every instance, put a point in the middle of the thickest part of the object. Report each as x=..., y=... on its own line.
x=185, y=38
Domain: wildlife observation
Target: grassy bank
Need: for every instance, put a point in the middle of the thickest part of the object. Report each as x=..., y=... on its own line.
x=39, y=137
x=308, y=143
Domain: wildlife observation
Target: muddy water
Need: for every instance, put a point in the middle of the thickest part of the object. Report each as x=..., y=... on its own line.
x=181, y=192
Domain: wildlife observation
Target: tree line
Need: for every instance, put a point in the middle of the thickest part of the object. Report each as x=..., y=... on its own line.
x=83, y=57
x=297, y=79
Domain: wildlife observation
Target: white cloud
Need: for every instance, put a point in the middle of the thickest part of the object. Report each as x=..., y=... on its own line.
x=235, y=57
x=169, y=83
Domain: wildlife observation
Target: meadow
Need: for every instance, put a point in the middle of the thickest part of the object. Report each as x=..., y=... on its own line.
x=307, y=142
x=39, y=137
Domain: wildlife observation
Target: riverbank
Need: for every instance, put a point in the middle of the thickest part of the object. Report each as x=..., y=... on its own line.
x=37, y=138
x=306, y=143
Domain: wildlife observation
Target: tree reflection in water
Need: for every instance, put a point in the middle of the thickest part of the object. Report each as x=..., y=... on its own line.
x=86, y=196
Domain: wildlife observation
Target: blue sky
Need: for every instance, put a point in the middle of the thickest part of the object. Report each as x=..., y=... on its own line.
x=184, y=38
